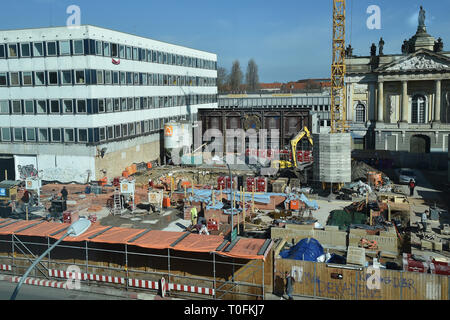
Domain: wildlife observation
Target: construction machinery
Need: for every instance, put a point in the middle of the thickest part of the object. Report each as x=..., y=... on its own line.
x=284, y=164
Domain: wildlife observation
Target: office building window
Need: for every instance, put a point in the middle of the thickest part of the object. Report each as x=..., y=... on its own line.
x=108, y=79
x=122, y=52
x=106, y=49
x=137, y=103
x=117, y=104
x=101, y=105
x=39, y=78
x=66, y=77
x=129, y=78
x=52, y=78
x=3, y=79
x=2, y=51
x=123, y=79
x=109, y=105
x=27, y=78
x=80, y=77
x=54, y=106
x=6, y=134
x=149, y=55
x=110, y=133
x=64, y=48
x=51, y=48
x=18, y=134
x=131, y=130
x=135, y=54
x=144, y=103
x=144, y=78
x=150, y=79
x=41, y=107
x=124, y=130
x=69, y=135
x=16, y=107
x=29, y=106
x=43, y=135
x=123, y=104
x=98, y=48
x=136, y=78
x=129, y=56
x=12, y=50
x=146, y=127
x=82, y=135
x=30, y=134
x=81, y=106
x=25, y=50
x=67, y=106
x=4, y=106
x=78, y=47
x=102, y=134
x=130, y=103
x=14, y=79
x=38, y=49
x=117, y=131
x=114, y=50
x=56, y=135
x=100, y=77
x=138, y=128
x=116, y=77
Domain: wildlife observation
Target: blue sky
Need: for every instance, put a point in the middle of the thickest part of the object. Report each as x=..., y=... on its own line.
x=289, y=40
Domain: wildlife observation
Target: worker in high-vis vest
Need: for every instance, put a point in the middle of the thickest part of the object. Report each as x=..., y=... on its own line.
x=194, y=215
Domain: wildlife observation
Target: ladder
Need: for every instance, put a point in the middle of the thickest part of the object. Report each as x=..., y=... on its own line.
x=117, y=209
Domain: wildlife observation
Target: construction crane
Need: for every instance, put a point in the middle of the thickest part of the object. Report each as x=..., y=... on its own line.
x=338, y=70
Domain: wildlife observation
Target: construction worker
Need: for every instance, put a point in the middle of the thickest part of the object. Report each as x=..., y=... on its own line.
x=194, y=215
x=64, y=193
x=424, y=220
x=289, y=285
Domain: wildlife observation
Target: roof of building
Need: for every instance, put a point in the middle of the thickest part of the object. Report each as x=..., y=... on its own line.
x=245, y=248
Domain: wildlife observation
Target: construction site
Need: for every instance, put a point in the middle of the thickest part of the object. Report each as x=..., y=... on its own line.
x=231, y=225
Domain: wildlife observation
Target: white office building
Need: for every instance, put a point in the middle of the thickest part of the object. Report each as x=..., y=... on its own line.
x=79, y=104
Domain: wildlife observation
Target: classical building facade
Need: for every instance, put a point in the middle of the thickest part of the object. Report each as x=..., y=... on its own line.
x=400, y=102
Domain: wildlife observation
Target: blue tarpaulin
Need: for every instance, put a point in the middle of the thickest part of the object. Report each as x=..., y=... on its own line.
x=308, y=249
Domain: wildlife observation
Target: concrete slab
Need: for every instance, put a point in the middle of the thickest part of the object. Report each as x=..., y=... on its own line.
x=326, y=207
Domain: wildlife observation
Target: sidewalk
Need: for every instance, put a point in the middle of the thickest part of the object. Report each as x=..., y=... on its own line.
x=87, y=288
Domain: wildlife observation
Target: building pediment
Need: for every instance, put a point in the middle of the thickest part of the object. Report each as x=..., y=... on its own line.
x=422, y=60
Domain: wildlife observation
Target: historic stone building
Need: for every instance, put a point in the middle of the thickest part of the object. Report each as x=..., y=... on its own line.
x=401, y=102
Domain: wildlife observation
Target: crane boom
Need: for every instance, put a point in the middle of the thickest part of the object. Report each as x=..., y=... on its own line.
x=338, y=70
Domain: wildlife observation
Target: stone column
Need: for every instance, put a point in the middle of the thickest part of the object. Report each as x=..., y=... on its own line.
x=437, y=106
x=372, y=101
x=380, y=117
x=405, y=102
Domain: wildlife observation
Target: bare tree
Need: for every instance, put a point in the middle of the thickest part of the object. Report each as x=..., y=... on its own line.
x=236, y=77
x=251, y=77
x=222, y=79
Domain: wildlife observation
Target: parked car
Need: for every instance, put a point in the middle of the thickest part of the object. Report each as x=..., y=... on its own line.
x=405, y=175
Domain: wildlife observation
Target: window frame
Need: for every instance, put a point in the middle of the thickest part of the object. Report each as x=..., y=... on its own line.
x=62, y=78
x=108, y=74
x=65, y=135
x=48, y=78
x=76, y=77
x=97, y=72
x=48, y=51
x=38, y=106
x=36, y=53
x=29, y=49
x=75, y=53
x=25, y=107
x=2, y=102
x=47, y=138
x=98, y=105
x=116, y=104
x=106, y=49
x=52, y=130
x=11, y=78
x=100, y=134
x=64, y=106
x=51, y=106
x=12, y=106
x=4, y=74
x=2, y=51
x=61, y=53
x=36, y=78
x=9, y=50
x=27, y=139
x=79, y=135
x=2, y=135
x=78, y=106
x=31, y=78
x=14, y=134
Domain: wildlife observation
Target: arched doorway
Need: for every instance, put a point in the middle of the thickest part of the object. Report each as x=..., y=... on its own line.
x=420, y=144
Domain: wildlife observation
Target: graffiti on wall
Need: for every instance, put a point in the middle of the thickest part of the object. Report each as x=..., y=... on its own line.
x=66, y=175
x=28, y=171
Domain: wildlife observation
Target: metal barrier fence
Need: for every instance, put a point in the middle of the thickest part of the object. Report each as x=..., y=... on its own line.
x=134, y=268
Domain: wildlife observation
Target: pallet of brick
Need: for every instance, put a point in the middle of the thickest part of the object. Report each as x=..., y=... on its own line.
x=356, y=256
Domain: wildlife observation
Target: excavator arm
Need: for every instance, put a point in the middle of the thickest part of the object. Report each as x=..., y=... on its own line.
x=295, y=141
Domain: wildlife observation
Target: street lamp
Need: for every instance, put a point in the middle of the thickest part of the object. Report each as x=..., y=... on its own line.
x=217, y=159
x=76, y=229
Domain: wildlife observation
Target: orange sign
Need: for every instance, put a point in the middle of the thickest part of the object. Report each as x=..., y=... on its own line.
x=169, y=131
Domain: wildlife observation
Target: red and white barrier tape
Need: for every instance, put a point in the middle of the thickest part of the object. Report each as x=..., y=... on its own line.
x=5, y=267
x=40, y=282
x=145, y=284
x=85, y=276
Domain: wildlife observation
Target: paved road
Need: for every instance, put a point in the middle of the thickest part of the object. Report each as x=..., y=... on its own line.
x=28, y=292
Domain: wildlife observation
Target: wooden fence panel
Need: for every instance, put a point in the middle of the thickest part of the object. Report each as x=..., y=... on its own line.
x=343, y=284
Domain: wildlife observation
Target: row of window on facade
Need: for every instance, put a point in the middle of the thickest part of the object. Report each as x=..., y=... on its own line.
x=100, y=48
x=99, y=77
x=419, y=110
x=73, y=135
x=272, y=103
x=94, y=106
